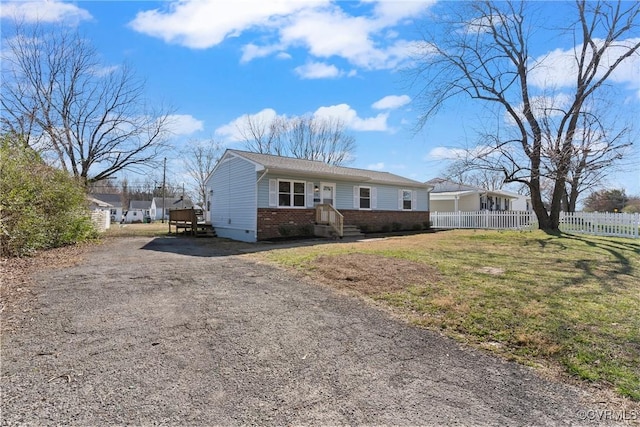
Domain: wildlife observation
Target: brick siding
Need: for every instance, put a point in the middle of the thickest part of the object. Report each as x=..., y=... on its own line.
x=274, y=223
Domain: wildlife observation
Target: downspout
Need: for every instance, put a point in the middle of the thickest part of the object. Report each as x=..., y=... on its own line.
x=266, y=171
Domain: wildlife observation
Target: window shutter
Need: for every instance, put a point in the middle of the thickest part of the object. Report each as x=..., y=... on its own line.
x=374, y=197
x=400, y=200
x=273, y=192
x=414, y=200
x=356, y=197
x=309, y=194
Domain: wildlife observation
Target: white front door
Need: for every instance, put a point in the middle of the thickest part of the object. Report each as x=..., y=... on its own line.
x=328, y=193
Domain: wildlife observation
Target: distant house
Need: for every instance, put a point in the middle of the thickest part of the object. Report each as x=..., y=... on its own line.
x=161, y=206
x=253, y=196
x=115, y=200
x=139, y=211
x=449, y=196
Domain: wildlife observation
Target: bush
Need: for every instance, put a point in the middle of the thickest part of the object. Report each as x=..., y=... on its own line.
x=41, y=207
x=396, y=226
x=417, y=227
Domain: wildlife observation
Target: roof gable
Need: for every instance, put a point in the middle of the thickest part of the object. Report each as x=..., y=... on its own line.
x=322, y=169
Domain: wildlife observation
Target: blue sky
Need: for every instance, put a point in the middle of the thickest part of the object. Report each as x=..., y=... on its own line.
x=216, y=61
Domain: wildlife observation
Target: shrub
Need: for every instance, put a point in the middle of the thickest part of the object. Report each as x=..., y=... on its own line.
x=417, y=227
x=396, y=226
x=41, y=207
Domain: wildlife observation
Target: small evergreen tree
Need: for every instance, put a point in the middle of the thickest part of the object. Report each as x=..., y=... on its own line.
x=40, y=207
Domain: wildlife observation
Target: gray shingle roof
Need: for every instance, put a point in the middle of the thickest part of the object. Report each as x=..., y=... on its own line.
x=114, y=200
x=441, y=185
x=322, y=169
x=140, y=204
x=173, y=202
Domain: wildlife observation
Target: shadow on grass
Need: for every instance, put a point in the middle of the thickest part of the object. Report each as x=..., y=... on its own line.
x=617, y=247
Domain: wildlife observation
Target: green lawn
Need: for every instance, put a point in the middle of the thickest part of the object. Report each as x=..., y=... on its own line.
x=568, y=300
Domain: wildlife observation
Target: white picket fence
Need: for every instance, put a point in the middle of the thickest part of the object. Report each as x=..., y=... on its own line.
x=504, y=220
x=601, y=223
x=596, y=223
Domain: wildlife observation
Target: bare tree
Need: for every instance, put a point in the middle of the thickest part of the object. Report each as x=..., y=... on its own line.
x=304, y=137
x=485, y=56
x=263, y=136
x=91, y=119
x=200, y=157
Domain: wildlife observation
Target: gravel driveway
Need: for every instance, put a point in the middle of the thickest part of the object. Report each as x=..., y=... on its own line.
x=176, y=331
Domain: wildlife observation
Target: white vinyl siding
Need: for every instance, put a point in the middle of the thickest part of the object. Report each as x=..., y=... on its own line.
x=233, y=200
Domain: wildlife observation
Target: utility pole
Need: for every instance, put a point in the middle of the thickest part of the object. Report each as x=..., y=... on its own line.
x=164, y=177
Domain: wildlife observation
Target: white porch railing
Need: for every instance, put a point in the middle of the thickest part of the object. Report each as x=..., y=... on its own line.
x=327, y=214
x=596, y=223
x=512, y=220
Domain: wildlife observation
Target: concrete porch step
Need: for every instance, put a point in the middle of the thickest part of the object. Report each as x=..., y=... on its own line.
x=349, y=230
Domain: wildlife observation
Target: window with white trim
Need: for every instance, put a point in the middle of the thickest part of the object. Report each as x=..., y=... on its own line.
x=291, y=194
x=407, y=199
x=365, y=197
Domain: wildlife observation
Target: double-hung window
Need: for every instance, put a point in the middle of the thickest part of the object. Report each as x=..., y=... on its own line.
x=291, y=194
x=365, y=197
x=407, y=197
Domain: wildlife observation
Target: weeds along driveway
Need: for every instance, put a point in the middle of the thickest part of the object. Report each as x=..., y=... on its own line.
x=177, y=331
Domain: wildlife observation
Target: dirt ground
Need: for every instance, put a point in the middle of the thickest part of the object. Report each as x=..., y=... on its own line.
x=180, y=331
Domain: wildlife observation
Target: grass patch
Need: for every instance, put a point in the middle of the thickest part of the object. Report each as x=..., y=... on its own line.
x=529, y=296
x=153, y=229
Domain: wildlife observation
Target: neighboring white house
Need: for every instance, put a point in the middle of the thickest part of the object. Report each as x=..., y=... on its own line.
x=253, y=196
x=449, y=196
x=115, y=200
x=139, y=211
x=160, y=206
x=522, y=203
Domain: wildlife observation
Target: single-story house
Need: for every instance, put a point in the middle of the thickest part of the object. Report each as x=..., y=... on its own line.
x=252, y=196
x=139, y=211
x=449, y=196
x=115, y=200
x=160, y=206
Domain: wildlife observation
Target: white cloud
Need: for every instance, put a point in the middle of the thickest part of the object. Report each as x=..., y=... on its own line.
x=543, y=106
x=322, y=27
x=558, y=68
x=202, y=24
x=391, y=102
x=350, y=118
x=232, y=131
x=251, y=51
x=184, y=124
x=317, y=70
x=43, y=11
x=376, y=166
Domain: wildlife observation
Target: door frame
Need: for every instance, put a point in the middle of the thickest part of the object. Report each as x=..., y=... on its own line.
x=328, y=184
